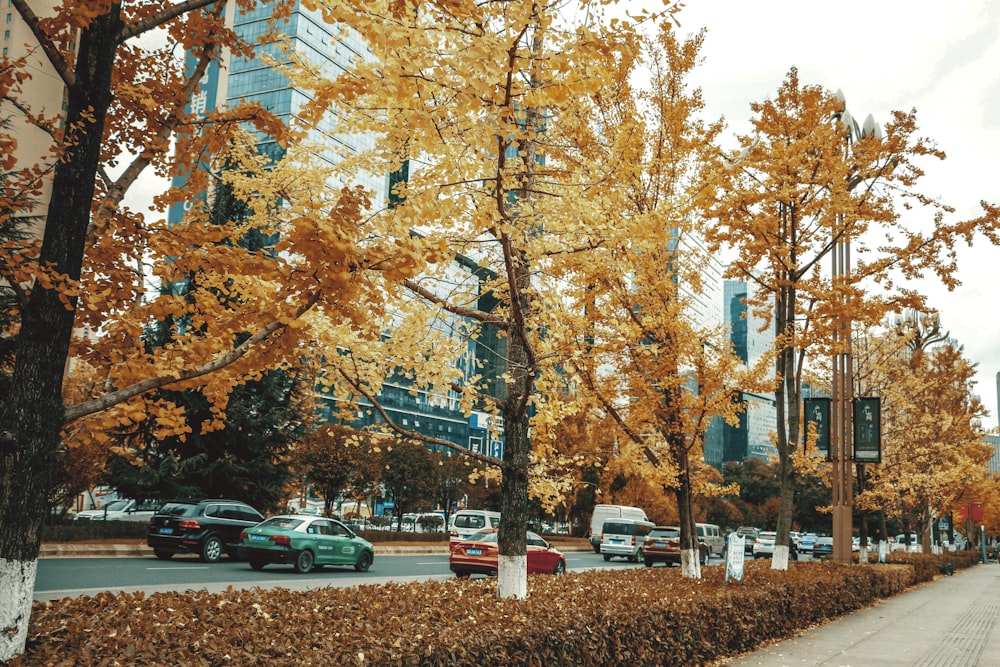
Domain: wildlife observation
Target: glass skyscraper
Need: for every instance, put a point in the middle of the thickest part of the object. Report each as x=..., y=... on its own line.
x=332, y=50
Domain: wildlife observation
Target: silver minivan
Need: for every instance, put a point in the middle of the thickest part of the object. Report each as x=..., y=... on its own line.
x=710, y=535
x=624, y=537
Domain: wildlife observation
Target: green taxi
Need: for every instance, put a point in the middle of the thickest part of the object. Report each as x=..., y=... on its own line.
x=306, y=542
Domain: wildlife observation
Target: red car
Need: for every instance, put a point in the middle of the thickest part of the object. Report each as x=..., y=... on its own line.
x=478, y=555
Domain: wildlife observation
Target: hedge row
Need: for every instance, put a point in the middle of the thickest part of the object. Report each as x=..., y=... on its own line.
x=627, y=617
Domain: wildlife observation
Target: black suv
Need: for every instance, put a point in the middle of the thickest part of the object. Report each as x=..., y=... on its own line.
x=206, y=528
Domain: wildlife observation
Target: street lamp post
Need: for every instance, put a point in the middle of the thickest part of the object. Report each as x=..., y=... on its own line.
x=841, y=435
x=843, y=372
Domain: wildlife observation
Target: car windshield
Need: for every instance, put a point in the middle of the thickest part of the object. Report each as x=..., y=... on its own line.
x=664, y=532
x=116, y=506
x=283, y=522
x=176, y=509
x=483, y=536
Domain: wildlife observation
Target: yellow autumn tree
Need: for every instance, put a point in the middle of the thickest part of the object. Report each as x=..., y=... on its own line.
x=807, y=179
x=934, y=453
x=490, y=108
x=80, y=289
x=641, y=349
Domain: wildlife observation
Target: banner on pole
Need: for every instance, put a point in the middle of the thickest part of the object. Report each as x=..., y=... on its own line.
x=868, y=430
x=817, y=411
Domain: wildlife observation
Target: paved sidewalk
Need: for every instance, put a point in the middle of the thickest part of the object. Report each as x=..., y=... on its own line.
x=948, y=622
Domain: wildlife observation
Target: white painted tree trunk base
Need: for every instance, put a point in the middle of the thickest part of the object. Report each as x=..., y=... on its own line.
x=690, y=565
x=779, y=559
x=17, y=586
x=512, y=577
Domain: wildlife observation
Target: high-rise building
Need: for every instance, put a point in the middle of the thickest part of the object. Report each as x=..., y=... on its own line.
x=333, y=49
x=43, y=95
x=758, y=422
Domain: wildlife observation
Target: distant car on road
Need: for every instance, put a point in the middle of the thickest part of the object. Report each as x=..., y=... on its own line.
x=749, y=535
x=121, y=510
x=763, y=546
x=207, y=528
x=806, y=542
x=663, y=545
x=479, y=554
x=823, y=547
x=306, y=542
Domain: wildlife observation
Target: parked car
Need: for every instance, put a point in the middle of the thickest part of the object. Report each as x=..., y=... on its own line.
x=207, y=528
x=306, y=542
x=763, y=546
x=121, y=510
x=625, y=538
x=899, y=543
x=428, y=522
x=823, y=547
x=663, y=545
x=465, y=523
x=479, y=554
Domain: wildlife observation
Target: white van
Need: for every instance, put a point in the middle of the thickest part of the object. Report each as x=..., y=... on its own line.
x=604, y=512
x=711, y=536
x=466, y=522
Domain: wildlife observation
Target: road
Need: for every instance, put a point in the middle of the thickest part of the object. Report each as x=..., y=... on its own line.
x=73, y=577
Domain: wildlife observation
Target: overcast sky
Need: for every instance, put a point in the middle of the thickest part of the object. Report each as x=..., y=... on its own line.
x=943, y=59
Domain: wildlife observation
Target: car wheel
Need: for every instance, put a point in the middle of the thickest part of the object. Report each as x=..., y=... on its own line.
x=364, y=562
x=211, y=550
x=704, y=557
x=560, y=568
x=636, y=558
x=258, y=564
x=461, y=574
x=607, y=557
x=163, y=555
x=304, y=561
x=648, y=562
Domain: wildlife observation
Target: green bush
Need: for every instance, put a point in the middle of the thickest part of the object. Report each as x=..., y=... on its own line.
x=626, y=617
x=84, y=531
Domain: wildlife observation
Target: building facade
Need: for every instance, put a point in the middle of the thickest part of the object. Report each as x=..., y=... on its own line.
x=332, y=50
x=754, y=436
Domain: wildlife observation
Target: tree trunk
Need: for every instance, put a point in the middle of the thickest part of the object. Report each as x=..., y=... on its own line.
x=512, y=570
x=786, y=399
x=690, y=562
x=31, y=420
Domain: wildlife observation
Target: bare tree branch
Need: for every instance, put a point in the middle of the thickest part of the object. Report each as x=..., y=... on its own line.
x=51, y=52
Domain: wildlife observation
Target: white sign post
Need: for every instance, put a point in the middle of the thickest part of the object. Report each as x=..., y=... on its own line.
x=735, y=555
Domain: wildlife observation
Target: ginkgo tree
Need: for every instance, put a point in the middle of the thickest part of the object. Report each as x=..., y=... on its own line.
x=80, y=290
x=646, y=359
x=806, y=179
x=490, y=106
x=934, y=452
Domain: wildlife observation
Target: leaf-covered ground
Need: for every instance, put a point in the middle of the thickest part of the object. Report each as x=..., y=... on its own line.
x=587, y=618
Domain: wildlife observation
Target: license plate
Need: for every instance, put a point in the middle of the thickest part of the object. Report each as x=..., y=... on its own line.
x=616, y=542
x=259, y=538
x=661, y=544
x=166, y=531
x=474, y=552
